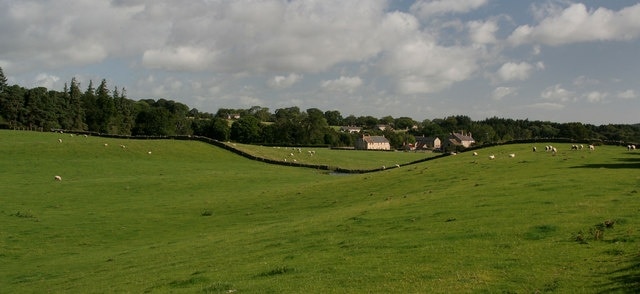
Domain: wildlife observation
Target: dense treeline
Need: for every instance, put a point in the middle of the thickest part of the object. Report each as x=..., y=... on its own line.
x=110, y=111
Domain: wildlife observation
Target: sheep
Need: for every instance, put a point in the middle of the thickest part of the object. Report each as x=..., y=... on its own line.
x=554, y=150
x=290, y=154
x=60, y=140
x=397, y=165
x=535, y=149
x=475, y=153
x=591, y=147
x=574, y=147
x=105, y=144
x=57, y=178
x=492, y=156
x=149, y=152
x=512, y=155
x=122, y=146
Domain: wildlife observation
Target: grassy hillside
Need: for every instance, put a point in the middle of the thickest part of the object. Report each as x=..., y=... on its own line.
x=190, y=217
x=345, y=159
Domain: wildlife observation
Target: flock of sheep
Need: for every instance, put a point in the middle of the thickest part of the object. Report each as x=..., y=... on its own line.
x=553, y=150
x=59, y=178
x=297, y=150
x=547, y=148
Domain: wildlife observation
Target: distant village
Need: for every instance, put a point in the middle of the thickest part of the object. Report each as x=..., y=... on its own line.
x=369, y=142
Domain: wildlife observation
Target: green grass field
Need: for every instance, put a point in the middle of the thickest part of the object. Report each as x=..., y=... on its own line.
x=194, y=218
x=334, y=158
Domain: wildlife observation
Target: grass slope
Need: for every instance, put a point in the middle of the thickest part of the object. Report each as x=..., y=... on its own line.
x=190, y=217
x=345, y=159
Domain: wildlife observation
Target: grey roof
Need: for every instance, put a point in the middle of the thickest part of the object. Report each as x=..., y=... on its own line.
x=375, y=139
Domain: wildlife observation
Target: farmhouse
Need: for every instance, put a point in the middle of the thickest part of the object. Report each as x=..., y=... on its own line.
x=431, y=143
x=460, y=139
x=367, y=142
x=350, y=129
x=384, y=127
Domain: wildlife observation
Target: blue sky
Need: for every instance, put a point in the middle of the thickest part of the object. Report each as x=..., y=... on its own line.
x=555, y=60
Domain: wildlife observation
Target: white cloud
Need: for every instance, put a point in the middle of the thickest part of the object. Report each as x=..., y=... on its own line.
x=283, y=82
x=483, y=32
x=46, y=80
x=628, y=94
x=501, y=92
x=557, y=93
x=578, y=24
x=515, y=71
x=180, y=58
x=343, y=84
x=546, y=106
x=583, y=81
x=596, y=97
x=422, y=66
x=427, y=8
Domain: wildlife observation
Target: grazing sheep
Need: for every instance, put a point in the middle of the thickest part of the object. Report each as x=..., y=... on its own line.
x=290, y=154
x=105, y=144
x=512, y=155
x=554, y=150
x=475, y=153
x=60, y=140
x=492, y=156
x=384, y=167
x=581, y=147
x=591, y=147
x=397, y=165
x=149, y=152
x=57, y=178
x=122, y=146
x=574, y=147
x=535, y=149
x=85, y=136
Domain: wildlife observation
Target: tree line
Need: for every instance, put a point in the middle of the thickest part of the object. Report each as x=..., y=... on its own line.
x=101, y=110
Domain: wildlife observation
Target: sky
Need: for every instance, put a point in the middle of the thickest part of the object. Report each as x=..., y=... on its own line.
x=550, y=60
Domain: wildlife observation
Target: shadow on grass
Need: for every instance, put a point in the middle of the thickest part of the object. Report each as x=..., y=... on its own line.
x=621, y=163
x=624, y=280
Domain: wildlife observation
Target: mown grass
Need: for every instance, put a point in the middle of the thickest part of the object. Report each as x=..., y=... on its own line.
x=336, y=158
x=190, y=217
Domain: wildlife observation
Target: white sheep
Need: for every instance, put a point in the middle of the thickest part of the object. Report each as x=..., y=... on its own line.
x=535, y=149
x=591, y=147
x=60, y=140
x=512, y=155
x=149, y=152
x=492, y=156
x=105, y=144
x=475, y=153
x=57, y=178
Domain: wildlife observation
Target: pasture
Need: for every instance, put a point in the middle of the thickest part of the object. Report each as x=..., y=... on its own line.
x=345, y=159
x=193, y=218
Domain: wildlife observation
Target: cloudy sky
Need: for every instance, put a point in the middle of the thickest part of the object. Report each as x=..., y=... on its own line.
x=555, y=60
